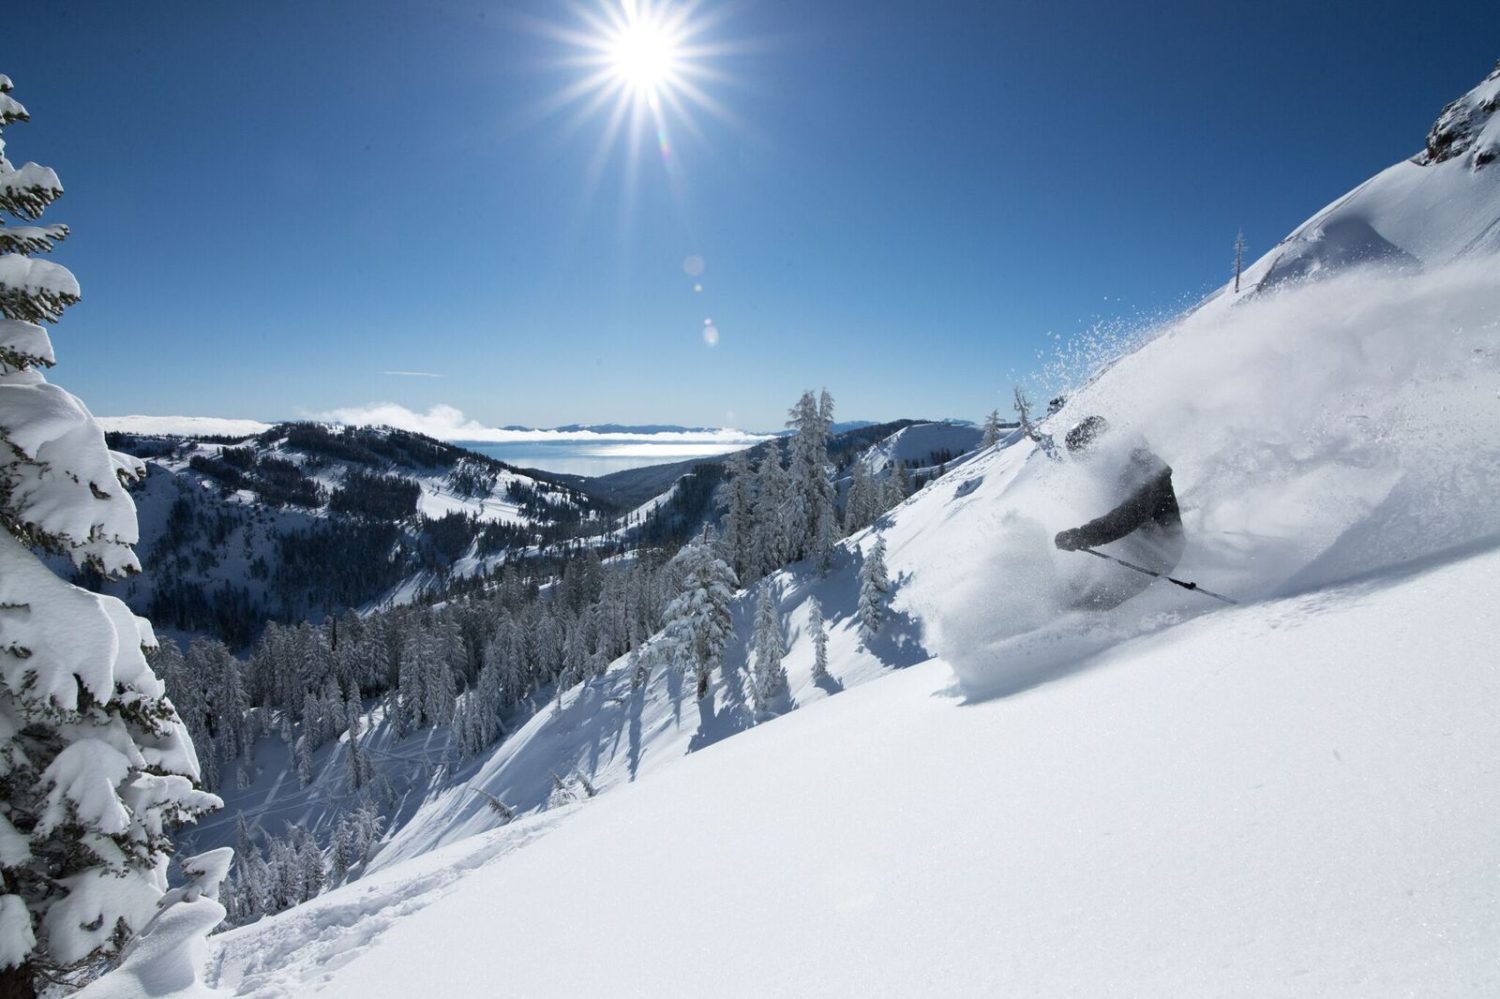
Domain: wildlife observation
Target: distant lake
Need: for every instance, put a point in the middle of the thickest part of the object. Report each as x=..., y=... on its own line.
x=596, y=457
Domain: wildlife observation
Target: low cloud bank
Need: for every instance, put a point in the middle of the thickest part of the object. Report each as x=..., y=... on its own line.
x=449, y=423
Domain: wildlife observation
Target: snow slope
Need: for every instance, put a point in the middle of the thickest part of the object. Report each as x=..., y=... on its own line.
x=921, y=446
x=1383, y=448
x=1292, y=798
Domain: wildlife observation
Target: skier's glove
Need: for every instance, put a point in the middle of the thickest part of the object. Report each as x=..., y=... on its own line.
x=1069, y=541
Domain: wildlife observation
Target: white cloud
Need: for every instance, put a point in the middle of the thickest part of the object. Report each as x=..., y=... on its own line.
x=413, y=374
x=449, y=423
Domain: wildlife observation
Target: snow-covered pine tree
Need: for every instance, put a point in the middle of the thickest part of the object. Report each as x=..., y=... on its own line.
x=768, y=646
x=893, y=490
x=304, y=760
x=698, y=620
x=861, y=506
x=736, y=499
x=874, y=584
x=992, y=430
x=828, y=539
x=635, y=665
x=311, y=875
x=811, y=489
x=819, y=632
x=772, y=544
x=340, y=852
x=95, y=765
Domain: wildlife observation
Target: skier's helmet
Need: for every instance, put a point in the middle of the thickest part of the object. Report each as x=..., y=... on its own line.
x=1088, y=430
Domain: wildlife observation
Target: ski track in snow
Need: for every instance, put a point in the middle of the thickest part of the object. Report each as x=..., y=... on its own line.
x=297, y=951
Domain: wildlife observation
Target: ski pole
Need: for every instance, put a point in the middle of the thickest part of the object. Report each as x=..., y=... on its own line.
x=1186, y=585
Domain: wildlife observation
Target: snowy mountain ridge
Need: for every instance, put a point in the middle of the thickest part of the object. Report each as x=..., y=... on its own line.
x=240, y=529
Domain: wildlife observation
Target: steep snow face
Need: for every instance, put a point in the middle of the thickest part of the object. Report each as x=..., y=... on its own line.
x=1442, y=205
x=1289, y=799
x=1381, y=447
x=1332, y=429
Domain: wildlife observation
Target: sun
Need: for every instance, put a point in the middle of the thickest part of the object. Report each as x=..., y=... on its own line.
x=646, y=67
x=644, y=55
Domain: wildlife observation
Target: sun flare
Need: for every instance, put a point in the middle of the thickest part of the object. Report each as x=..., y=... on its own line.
x=643, y=55
x=647, y=68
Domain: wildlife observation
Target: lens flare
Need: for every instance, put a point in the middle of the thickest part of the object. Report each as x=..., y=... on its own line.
x=646, y=68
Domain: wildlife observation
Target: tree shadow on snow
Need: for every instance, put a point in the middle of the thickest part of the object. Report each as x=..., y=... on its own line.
x=714, y=726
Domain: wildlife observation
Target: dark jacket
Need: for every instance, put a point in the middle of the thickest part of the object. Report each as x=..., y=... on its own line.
x=1150, y=501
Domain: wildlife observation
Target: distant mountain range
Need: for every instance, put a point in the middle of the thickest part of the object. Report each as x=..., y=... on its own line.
x=212, y=426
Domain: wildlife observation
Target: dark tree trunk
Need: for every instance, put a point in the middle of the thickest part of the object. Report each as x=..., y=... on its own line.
x=16, y=983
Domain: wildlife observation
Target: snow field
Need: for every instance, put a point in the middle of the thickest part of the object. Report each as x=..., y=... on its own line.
x=1294, y=798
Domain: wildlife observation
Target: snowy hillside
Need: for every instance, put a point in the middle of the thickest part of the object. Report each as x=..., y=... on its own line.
x=998, y=792
x=1384, y=449
x=301, y=519
x=921, y=446
x=1256, y=781
x=1274, y=801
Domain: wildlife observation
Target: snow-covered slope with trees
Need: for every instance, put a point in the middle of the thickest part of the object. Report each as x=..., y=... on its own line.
x=1384, y=449
x=1286, y=797
x=953, y=782
x=302, y=520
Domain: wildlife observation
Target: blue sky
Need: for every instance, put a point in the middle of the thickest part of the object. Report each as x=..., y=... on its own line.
x=274, y=204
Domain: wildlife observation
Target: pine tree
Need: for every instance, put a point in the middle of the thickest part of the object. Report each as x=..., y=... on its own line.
x=768, y=645
x=699, y=621
x=358, y=766
x=828, y=539
x=811, y=490
x=736, y=499
x=861, y=507
x=993, y=431
x=819, y=632
x=873, y=587
x=340, y=852
x=311, y=876
x=95, y=764
x=772, y=543
x=304, y=760
x=1239, y=258
x=893, y=490
x=641, y=662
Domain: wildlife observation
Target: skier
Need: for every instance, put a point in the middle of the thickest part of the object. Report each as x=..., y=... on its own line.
x=1146, y=526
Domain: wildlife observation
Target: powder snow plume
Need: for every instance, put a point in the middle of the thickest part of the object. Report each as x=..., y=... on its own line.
x=1329, y=429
